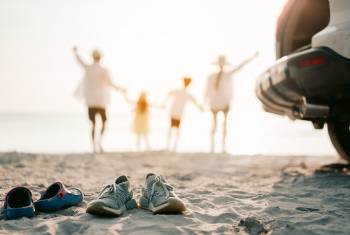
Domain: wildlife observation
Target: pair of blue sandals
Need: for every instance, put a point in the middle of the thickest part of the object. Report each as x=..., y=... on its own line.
x=19, y=202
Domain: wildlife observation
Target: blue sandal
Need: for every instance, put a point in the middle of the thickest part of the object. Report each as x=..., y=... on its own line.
x=18, y=203
x=57, y=197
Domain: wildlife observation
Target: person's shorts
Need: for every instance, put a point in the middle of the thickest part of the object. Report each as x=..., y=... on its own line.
x=175, y=122
x=97, y=111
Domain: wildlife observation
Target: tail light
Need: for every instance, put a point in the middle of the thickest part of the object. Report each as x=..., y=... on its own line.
x=310, y=62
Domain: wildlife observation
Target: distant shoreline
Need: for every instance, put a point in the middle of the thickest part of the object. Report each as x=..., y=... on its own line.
x=157, y=152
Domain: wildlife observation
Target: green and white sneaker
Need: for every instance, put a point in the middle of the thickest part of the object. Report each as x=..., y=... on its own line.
x=159, y=197
x=113, y=200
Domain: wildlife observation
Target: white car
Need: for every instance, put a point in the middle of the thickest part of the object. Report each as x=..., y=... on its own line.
x=311, y=77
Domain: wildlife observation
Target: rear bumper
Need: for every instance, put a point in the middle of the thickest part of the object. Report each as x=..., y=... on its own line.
x=295, y=84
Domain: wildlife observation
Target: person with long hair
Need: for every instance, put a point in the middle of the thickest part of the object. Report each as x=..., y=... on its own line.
x=141, y=113
x=219, y=93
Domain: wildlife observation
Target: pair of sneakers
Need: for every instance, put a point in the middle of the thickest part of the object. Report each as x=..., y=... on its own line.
x=157, y=196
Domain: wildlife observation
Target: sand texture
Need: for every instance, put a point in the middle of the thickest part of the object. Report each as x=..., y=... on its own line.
x=224, y=194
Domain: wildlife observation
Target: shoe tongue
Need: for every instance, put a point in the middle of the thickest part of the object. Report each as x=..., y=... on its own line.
x=121, y=179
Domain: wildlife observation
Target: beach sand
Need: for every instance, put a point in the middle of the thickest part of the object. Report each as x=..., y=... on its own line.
x=224, y=194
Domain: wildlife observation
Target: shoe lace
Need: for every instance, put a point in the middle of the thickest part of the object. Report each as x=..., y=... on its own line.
x=167, y=188
x=117, y=193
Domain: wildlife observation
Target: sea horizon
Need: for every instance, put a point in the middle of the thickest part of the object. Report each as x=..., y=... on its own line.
x=68, y=133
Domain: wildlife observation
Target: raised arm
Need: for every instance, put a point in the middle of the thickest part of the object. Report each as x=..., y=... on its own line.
x=244, y=63
x=80, y=61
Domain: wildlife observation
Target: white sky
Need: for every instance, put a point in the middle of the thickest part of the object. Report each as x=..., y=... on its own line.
x=147, y=44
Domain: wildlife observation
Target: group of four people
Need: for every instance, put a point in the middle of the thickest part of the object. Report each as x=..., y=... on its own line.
x=95, y=90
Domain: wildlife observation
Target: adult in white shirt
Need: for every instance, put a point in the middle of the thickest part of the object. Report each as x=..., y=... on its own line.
x=95, y=90
x=180, y=98
x=219, y=94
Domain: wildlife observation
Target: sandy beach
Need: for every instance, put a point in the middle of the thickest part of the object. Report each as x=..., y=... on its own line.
x=224, y=194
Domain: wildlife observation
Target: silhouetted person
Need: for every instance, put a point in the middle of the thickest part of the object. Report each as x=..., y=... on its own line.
x=95, y=90
x=179, y=97
x=219, y=94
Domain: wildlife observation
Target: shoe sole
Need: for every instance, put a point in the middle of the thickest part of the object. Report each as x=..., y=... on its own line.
x=173, y=206
x=104, y=211
x=16, y=213
x=99, y=208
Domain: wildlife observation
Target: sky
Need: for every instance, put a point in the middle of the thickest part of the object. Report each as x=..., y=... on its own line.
x=147, y=45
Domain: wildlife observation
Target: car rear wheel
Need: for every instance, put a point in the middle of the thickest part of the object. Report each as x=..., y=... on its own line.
x=339, y=132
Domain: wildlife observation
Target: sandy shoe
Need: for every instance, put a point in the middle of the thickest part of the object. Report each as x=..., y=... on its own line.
x=18, y=203
x=159, y=197
x=57, y=197
x=113, y=200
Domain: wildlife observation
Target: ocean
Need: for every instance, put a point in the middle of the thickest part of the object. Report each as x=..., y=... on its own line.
x=248, y=133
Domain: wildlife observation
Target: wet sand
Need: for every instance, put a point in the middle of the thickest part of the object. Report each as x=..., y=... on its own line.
x=224, y=194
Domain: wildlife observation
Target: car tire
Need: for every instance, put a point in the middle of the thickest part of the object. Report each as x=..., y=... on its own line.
x=339, y=133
